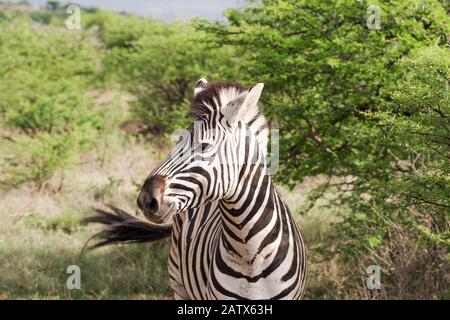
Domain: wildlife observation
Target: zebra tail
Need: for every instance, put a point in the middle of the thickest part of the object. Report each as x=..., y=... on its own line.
x=121, y=227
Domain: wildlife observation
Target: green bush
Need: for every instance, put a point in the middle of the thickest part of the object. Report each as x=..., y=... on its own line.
x=3, y=16
x=419, y=115
x=41, y=17
x=36, y=158
x=119, y=31
x=160, y=63
x=164, y=86
x=413, y=191
x=46, y=73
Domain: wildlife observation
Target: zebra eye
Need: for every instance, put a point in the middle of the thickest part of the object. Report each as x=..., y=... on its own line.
x=204, y=146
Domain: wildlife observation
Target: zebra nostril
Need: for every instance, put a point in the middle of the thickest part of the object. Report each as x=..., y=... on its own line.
x=150, y=198
x=152, y=205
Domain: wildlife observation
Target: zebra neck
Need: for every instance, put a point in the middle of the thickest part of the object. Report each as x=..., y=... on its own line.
x=253, y=222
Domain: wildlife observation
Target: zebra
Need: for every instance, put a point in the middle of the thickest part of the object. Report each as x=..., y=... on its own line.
x=232, y=235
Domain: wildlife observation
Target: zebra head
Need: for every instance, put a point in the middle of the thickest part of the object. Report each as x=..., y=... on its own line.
x=228, y=135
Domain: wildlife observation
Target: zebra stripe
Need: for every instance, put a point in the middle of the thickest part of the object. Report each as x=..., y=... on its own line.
x=244, y=243
x=232, y=235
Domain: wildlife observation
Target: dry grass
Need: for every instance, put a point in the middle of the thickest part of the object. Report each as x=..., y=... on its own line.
x=40, y=234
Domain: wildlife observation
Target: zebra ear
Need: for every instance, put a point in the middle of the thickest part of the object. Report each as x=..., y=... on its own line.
x=200, y=86
x=244, y=106
x=251, y=101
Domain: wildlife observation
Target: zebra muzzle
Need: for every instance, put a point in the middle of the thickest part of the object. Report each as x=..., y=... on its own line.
x=151, y=196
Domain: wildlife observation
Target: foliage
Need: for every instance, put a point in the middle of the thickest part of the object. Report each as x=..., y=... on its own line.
x=37, y=158
x=45, y=75
x=419, y=116
x=41, y=17
x=160, y=63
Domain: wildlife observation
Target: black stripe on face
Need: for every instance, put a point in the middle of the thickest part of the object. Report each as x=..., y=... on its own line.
x=197, y=171
x=197, y=195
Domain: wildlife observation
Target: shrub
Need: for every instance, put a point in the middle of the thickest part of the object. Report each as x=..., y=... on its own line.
x=3, y=16
x=164, y=87
x=419, y=115
x=160, y=64
x=47, y=76
x=41, y=17
x=37, y=158
x=119, y=31
x=44, y=94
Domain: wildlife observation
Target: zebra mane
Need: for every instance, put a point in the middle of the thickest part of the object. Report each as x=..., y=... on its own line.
x=210, y=97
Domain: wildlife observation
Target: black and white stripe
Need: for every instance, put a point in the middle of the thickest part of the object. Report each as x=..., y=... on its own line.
x=232, y=237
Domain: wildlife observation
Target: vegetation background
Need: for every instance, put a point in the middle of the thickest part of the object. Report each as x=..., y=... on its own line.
x=363, y=112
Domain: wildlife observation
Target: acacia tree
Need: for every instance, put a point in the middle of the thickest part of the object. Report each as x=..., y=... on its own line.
x=362, y=102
